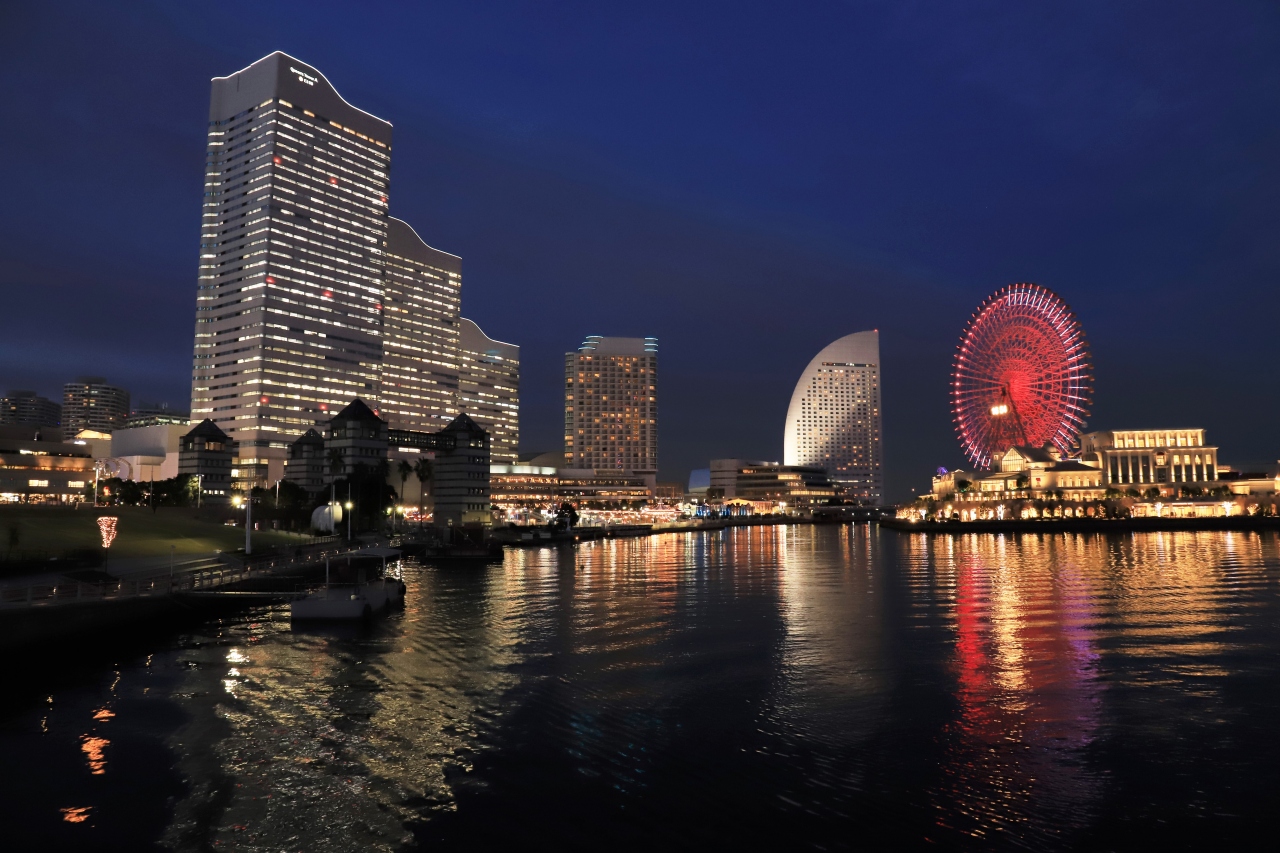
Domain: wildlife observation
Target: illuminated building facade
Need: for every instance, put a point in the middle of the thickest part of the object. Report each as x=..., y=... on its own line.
x=489, y=389
x=292, y=259
x=800, y=486
x=1151, y=457
x=27, y=407
x=419, y=389
x=90, y=403
x=36, y=467
x=592, y=488
x=515, y=489
x=611, y=405
x=834, y=420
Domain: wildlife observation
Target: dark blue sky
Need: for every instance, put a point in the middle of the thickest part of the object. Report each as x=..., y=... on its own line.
x=747, y=182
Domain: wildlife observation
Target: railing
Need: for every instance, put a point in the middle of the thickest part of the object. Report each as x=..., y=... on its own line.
x=191, y=576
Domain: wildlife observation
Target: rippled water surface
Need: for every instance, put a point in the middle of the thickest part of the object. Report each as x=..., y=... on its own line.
x=804, y=687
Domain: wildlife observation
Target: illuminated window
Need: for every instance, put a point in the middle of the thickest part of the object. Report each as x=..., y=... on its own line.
x=38, y=484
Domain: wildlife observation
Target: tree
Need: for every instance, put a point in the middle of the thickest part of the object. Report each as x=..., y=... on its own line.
x=336, y=462
x=1151, y=493
x=566, y=517
x=963, y=486
x=1021, y=482
x=404, y=469
x=1131, y=493
x=425, y=469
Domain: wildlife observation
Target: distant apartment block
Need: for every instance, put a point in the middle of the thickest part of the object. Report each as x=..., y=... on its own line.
x=90, y=403
x=611, y=405
x=28, y=407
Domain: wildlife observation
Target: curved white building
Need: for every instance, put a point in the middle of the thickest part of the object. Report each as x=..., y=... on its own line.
x=834, y=418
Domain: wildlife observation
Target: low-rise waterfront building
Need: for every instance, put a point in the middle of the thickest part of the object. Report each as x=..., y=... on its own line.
x=147, y=453
x=354, y=438
x=591, y=488
x=462, y=475
x=520, y=492
x=36, y=467
x=1143, y=473
x=206, y=453
x=307, y=465
x=1157, y=457
x=789, y=486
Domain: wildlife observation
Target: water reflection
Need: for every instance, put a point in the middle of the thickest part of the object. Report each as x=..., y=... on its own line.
x=751, y=687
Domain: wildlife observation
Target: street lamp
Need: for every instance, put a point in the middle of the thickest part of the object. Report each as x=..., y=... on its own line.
x=347, y=506
x=248, y=520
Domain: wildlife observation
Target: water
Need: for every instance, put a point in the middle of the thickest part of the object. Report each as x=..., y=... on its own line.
x=806, y=687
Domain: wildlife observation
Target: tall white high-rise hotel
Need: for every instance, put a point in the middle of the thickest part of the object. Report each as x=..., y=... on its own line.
x=834, y=420
x=310, y=294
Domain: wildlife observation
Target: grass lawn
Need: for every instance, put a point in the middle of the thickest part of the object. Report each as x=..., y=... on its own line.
x=139, y=531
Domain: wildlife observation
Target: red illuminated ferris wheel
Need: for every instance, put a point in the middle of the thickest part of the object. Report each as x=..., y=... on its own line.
x=1022, y=374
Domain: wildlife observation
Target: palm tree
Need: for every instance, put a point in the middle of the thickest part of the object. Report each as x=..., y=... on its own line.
x=425, y=469
x=335, y=460
x=404, y=469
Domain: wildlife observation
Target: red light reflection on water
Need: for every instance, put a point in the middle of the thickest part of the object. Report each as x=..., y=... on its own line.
x=1024, y=660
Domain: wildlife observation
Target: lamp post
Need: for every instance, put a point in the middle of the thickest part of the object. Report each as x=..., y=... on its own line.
x=248, y=519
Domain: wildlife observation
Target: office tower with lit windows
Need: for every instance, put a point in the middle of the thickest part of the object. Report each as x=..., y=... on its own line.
x=90, y=403
x=834, y=421
x=611, y=404
x=489, y=389
x=419, y=389
x=289, y=310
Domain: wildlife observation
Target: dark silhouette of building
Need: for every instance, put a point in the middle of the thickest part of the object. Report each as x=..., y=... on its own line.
x=306, y=465
x=27, y=407
x=356, y=437
x=206, y=453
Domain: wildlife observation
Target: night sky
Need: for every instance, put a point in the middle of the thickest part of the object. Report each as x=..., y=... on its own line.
x=747, y=182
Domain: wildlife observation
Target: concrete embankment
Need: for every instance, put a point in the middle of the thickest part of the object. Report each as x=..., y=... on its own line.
x=1085, y=525
x=72, y=613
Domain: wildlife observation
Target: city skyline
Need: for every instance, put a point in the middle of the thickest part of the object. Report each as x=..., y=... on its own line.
x=1081, y=172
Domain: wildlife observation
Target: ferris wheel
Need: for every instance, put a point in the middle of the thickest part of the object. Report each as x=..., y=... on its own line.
x=1022, y=374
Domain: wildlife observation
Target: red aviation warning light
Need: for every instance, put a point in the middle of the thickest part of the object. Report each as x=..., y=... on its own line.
x=1022, y=374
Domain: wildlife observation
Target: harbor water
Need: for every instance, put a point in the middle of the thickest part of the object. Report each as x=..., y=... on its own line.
x=802, y=687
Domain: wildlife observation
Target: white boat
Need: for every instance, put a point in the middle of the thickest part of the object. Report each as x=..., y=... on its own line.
x=349, y=601
x=355, y=601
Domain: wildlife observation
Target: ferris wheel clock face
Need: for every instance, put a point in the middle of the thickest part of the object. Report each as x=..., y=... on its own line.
x=1022, y=374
